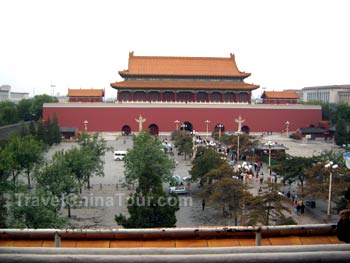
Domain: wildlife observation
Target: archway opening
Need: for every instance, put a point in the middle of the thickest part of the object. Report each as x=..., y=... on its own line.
x=153, y=129
x=245, y=129
x=126, y=130
x=219, y=127
x=187, y=126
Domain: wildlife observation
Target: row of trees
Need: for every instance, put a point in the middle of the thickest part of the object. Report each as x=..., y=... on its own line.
x=312, y=176
x=24, y=110
x=342, y=133
x=338, y=115
x=222, y=189
x=148, y=167
x=334, y=112
x=57, y=182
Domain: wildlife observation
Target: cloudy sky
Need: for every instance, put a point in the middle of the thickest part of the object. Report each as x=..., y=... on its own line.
x=83, y=44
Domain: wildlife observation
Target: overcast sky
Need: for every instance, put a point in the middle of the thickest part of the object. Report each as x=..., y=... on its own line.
x=83, y=44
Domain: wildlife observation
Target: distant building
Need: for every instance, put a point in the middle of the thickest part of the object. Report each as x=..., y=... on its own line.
x=6, y=94
x=328, y=94
x=280, y=97
x=85, y=95
x=299, y=93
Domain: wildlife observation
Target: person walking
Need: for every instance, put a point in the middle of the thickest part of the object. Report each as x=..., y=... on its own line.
x=203, y=204
x=302, y=208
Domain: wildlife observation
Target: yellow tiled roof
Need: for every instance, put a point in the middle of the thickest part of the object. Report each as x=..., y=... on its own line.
x=154, y=84
x=85, y=93
x=183, y=66
x=280, y=95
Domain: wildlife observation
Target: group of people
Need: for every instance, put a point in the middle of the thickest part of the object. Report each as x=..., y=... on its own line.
x=299, y=207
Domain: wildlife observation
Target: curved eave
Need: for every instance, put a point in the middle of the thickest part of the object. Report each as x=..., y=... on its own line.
x=129, y=85
x=125, y=74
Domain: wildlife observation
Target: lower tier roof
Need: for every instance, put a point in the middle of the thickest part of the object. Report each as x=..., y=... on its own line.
x=190, y=85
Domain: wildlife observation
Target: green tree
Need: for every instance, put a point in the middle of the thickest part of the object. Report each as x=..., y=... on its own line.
x=38, y=102
x=24, y=153
x=205, y=160
x=8, y=113
x=49, y=132
x=246, y=143
x=184, y=142
x=24, y=107
x=267, y=207
x=147, y=164
x=96, y=147
x=340, y=136
x=40, y=132
x=150, y=210
x=4, y=186
x=327, y=111
x=318, y=178
x=80, y=164
x=32, y=129
x=225, y=191
x=292, y=168
x=58, y=180
x=342, y=112
x=56, y=133
x=36, y=209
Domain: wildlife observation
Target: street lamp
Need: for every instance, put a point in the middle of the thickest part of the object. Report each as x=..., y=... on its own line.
x=207, y=124
x=220, y=126
x=177, y=124
x=86, y=125
x=287, y=128
x=269, y=144
x=330, y=166
x=183, y=126
x=238, y=133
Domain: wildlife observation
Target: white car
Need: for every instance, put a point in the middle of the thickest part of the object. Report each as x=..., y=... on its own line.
x=119, y=155
x=178, y=190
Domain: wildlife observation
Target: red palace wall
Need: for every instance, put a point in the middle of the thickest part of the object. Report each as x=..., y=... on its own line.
x=108, y=117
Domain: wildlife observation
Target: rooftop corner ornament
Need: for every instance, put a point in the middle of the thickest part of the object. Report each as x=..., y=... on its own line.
x=239, y=122
x=140, y=120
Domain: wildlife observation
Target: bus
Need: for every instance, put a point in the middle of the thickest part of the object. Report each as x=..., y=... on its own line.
x=119, y=155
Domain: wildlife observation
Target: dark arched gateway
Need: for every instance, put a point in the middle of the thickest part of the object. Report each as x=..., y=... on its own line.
x=153, y=129
x=126, y=130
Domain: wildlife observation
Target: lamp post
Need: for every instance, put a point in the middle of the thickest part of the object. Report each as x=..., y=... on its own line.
x=269, y=144
x=207, y=125
x=193, y=133
x=330, y=166
x=238, y=133
x=287, y=128
x=177, y=124
x=183, y=126
x=220, y=126
x=86, y=125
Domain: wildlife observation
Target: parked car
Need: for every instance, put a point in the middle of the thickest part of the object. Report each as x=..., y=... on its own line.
x=177, y=190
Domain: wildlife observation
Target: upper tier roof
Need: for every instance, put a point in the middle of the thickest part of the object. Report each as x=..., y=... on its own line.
x=85, y=93
x=182, y=66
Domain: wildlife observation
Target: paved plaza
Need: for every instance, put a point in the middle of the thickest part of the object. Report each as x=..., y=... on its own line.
x=108, y=194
